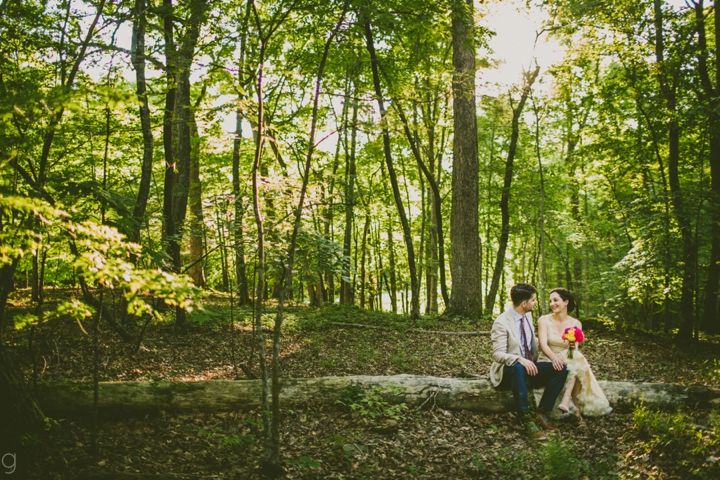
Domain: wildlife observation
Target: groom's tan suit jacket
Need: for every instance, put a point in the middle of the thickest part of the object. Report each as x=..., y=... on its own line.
x=506, y=341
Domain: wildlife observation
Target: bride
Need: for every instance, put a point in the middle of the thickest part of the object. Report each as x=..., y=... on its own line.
x=581, y=385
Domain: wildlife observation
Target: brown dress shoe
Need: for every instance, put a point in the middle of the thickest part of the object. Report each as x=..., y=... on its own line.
x=543, y=421
x=534, y=432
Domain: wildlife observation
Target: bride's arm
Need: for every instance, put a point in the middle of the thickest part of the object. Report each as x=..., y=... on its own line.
x=542, y=337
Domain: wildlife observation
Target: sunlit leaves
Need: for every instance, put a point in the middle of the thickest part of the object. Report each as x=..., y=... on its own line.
x=106, y=258
x=16, y=242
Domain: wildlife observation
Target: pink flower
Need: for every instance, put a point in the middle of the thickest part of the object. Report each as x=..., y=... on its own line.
x=573, y=334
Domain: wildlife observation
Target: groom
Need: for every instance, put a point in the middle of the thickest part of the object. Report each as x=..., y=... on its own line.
x=515, y=349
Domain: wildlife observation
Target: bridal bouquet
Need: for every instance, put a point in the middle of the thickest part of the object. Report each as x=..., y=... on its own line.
x=573, y=335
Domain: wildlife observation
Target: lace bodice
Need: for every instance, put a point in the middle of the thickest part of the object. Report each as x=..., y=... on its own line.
x=556, y=344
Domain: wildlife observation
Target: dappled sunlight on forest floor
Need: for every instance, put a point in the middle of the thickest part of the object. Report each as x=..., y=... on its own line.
x=312, y=346
x=333, y=441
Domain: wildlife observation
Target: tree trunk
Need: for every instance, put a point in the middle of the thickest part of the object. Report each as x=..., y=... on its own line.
x=668, y=89
x=487, y=257
x=240, y=266
x=239, y=242
x=541, y=227
x=392, y=287
x=272, y=457
x=328, y=215
x=67, y=399
x=197, y=223
x=138, y=61
x=465, y=298
x=346, y=289
x=35, y=281
x=431, y=259
x=180, y=138
x=710, y=319
x=7, y=285
x=407, y=234
x=689, y=248
x=363, y=259
x=379, y=268
x=220, y=210
x=575, y=283
x=505, y=199
x=431, y=278
x=436, y=197
x=183, y=131
x=169, y=227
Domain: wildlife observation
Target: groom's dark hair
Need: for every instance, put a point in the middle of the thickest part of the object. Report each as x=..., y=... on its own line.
x=521, y=292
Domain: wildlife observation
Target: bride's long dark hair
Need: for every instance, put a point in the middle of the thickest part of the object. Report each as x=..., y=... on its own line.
x=565, y=295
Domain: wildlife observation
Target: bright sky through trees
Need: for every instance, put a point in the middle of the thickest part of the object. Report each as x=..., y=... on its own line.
x=514, y=45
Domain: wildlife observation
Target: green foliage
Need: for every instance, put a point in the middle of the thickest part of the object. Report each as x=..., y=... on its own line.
x=74, y=309
x=401, y=360
x=612, y=232
x=509, y=461
x=316, y=253
x=660, y=428
x=477, y=463
x=598, y=323
x=710, y=370
x=323, y=318
x=560, y=462
x=22, y=320
x=19, y=241
x=677, y=436
x=372, y=403
x=304, y=462
x=105, y=256
x=209, y=315
x=349, y=395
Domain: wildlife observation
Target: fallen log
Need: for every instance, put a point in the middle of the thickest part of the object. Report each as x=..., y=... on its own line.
x=67, y=399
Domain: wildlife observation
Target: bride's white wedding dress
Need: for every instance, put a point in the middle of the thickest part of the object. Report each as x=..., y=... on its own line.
x=592, y=400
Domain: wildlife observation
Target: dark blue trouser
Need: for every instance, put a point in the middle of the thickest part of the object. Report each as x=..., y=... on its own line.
x=517, y=379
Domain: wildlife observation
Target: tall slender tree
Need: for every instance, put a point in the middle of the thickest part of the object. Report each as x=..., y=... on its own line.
x=710, y=96
x=138, y=62
x=464, y=222
x=407, y=234
x=529, y=80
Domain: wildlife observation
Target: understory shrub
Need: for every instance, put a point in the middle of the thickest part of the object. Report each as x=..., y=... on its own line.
x=680, y=437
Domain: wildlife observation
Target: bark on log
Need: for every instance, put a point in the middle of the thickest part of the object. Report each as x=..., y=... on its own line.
x=139, y=398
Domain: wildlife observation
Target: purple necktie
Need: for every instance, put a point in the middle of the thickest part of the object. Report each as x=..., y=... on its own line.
x=526, y=344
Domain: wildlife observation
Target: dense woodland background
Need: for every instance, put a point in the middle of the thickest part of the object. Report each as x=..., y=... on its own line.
x=606, y=185
x=346, y=153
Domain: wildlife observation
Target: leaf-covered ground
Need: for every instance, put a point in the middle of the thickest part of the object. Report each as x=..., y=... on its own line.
x=337, y=442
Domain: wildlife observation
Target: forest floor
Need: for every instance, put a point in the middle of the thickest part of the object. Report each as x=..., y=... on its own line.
x=321, y=441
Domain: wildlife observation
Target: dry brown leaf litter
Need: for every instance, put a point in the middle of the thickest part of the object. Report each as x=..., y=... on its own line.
x=329, y=441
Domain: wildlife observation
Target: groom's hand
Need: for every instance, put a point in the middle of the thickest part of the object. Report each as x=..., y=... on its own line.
x=530, y=367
